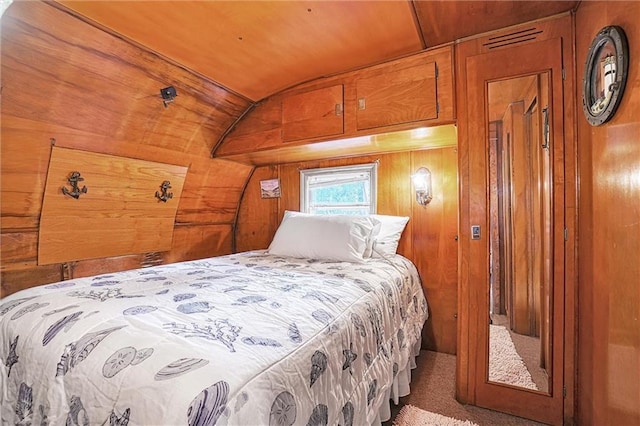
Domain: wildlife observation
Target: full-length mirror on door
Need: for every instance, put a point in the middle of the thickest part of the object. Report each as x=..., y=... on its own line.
x=520, y=281
x=513, y=285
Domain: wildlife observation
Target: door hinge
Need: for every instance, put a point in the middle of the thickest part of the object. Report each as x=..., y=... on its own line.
x=566, y=234
x=564, y=74
x=437, y=107
x=436, y=71
x=564, y=392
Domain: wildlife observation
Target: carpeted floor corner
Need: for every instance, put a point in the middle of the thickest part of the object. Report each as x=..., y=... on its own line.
x=414, y=416
x=433, y=389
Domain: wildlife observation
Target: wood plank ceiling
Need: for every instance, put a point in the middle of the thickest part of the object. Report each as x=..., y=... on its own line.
x=258, y=48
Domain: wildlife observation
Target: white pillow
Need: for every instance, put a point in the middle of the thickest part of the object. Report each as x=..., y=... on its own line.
x=386, y=243
x=325, y=237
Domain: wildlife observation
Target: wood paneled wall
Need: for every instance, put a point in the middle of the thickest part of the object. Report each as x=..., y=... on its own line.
x=429, y=240
x=609, y=232
x=69, y=83
x=72, y=84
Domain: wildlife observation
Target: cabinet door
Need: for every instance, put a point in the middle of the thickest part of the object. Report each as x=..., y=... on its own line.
x=396, y=97
x=313, y=114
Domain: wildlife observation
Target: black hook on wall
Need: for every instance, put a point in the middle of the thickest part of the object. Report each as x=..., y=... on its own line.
x=75, y=191
x=165, y=194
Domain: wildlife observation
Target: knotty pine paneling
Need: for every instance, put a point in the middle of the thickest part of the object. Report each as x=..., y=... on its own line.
x=429, y=239
x=609, y=246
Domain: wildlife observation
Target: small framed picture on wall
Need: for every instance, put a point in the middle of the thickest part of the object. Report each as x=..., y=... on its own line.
x=270, y=188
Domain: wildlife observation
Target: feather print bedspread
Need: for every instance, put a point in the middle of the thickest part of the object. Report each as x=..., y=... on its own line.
x=249, y=339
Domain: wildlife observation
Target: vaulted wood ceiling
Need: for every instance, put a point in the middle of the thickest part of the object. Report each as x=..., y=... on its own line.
x=257, y=48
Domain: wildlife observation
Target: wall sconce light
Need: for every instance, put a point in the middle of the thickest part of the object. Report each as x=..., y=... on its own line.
x=422, y=186
x=168, y=94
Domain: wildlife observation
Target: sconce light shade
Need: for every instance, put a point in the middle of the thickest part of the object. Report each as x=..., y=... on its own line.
x=422, y=185
x=168, y=94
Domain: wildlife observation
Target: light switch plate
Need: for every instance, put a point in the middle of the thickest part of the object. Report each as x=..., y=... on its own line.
x=475, y=232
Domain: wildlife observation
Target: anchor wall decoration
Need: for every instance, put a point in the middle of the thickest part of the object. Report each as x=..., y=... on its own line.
x=165, y=195
x=75, y=191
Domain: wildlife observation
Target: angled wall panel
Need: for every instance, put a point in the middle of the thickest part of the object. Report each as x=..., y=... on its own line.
x=118, y=214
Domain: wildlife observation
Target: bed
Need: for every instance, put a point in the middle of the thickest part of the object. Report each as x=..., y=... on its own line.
x=249, y=338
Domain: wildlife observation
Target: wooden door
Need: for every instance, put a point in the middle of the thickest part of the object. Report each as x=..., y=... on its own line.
x=533, y=59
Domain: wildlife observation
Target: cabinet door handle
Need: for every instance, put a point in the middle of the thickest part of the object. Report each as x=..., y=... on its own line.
x=362, y=104
x=338, y=110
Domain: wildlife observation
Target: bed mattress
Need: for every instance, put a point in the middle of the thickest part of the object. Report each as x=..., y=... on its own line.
x=249, y=338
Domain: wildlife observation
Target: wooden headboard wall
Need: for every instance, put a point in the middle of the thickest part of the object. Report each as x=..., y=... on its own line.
x=429, y=240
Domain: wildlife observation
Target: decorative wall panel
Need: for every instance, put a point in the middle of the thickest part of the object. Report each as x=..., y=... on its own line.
x=120, y=206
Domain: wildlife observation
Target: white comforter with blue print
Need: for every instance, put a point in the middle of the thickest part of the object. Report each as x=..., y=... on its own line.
x=245, y=339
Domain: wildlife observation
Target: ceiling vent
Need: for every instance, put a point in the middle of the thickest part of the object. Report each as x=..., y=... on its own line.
x=516, y=37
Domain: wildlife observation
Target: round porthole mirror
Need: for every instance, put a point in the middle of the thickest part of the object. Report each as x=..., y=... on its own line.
x=605, y=75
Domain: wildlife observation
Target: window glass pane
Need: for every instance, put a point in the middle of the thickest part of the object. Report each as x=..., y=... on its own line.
x=338, y=190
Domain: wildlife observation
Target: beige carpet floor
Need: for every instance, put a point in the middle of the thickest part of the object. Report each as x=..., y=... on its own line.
x=433, y=389
x=414, y=416
x=529, y=349
x=505, y=364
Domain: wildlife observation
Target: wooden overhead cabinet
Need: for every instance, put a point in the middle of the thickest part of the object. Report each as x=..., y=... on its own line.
x=312, y=114
x=337, y=115
x=397, y=96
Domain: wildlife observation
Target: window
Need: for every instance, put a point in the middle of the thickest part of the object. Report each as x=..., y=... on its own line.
x=339, y=190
